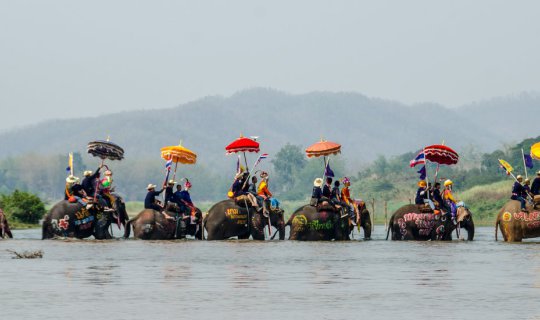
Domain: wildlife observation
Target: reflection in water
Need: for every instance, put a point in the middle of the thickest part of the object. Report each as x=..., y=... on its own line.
x=271, y=280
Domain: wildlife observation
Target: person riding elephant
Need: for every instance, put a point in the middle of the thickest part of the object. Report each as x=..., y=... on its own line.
x=5, y=231
x=169, y=192
x=264, y=193
x=150, y=201
x=66, y=219
x=150, y=224
x=89, y=182
x=517, y=224
x=517, y=192
x=437, y=197
x=240, y=189
x=226, y=219
x=422, y=195
x=407, y=223
x=450, y=202
x=535, y=187
x=316, y=194
x=309, y=223
x=346, y=198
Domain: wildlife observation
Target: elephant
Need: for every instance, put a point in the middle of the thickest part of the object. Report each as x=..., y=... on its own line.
x=226, y=219
x=66, y=219
x=310, y=223
x=515, y=224
x=364, y=220
x=5, y=231
x=150, y=224
x=408, y=223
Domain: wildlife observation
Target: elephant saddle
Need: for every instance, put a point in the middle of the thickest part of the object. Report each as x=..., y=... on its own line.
x=425, y=208
x=243, y=201
x=536, y=200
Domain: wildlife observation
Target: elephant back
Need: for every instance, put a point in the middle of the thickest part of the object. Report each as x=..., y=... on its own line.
x=71, y=219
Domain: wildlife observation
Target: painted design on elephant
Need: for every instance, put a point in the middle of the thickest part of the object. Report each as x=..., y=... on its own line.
x=317, y=225
x=533, y=225
x=300, y=222
x=418, y=216
x=83, y=219
x=423, y=221
x=402, y=227
x=235, y=214
x=523, y=216
x=63, y=224
x=507, y=216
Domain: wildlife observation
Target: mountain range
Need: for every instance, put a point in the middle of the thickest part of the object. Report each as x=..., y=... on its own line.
x=366, y=127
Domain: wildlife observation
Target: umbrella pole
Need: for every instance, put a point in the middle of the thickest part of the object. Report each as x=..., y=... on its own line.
x=245, y=161
x=175, y=167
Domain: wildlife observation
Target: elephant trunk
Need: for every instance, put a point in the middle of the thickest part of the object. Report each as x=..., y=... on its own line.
x=127, y=229
x=469, y=226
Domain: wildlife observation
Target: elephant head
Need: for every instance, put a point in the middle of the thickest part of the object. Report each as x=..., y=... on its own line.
x=465, y=220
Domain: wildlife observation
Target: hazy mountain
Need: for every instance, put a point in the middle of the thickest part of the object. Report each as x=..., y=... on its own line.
x=364, y=126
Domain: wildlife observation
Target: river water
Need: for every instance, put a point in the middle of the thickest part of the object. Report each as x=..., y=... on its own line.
x=189, y=279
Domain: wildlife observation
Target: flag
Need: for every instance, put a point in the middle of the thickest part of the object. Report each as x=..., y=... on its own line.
x=422, y=173
x=70, y=163
x=528, y=161
x=168, y=164
x=261, y=157
x=420, y=159
x=327, y=171
x=506, y=166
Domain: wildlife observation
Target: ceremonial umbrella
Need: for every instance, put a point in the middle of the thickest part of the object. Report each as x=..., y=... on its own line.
x=105, y=150
x=535, y=151
x=243, y=144
x=178, y=154
x=323, y=148
x=441, y=154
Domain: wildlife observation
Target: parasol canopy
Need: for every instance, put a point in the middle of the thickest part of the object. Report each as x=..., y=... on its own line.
x=441, y=154
x=323, y=148
x=178, y=154
x=242, y=144
x=105, y=150
x=535, y=151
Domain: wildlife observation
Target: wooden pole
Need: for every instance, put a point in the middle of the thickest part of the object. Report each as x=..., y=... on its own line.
x=373, y=214
x=385, y=215
x=524, y=165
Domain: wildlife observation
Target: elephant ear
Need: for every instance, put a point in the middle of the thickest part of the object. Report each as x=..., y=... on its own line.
x=461, y=214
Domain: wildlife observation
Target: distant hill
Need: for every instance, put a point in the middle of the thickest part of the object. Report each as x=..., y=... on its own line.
x=366, y=127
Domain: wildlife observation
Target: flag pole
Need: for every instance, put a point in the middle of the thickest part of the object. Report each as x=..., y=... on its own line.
x=524, y=165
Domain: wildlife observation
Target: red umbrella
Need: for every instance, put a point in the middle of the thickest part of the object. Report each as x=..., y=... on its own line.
x=441, y=154
x=242, y=144
x=323, y=148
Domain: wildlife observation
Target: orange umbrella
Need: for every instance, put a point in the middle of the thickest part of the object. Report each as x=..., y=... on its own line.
x=323, y=148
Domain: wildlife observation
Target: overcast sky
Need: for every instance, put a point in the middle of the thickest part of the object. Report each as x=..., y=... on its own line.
x=78, y=58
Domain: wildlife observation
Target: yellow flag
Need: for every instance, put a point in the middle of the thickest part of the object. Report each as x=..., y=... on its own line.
x=506, y=165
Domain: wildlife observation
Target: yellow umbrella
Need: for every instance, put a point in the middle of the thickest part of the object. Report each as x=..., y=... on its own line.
x=178, y=154
x=535, y=151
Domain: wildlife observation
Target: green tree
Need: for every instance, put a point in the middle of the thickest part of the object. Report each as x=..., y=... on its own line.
x=287, y=162
x=23, y=206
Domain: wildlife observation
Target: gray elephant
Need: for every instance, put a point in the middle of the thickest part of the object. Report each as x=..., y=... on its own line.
x=152, y=225
x=409, y=223
x=66, y=219
x=310, y=223
x=5, y=231
x=226, y=220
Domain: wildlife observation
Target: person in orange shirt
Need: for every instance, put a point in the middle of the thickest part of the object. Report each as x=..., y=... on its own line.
x=264, y=193
x=346, y=198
